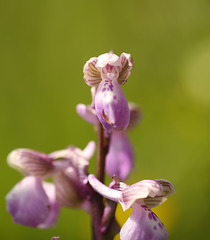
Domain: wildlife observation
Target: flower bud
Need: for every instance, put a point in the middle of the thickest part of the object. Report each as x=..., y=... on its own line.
x=119, y=159
x=111, y=106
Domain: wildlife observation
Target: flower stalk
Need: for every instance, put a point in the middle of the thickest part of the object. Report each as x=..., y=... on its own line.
x=73, y=186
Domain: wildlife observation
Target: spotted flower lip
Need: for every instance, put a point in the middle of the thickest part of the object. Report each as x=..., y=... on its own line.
x=108, y=66
x=143, y=224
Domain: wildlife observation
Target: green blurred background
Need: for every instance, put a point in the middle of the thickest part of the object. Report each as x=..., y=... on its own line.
x=43, y=47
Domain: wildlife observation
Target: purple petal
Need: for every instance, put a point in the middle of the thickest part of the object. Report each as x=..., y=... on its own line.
x=143, y=224
x=127, y=65
x=28, y=203
x=140, y=190
x=92, y=75
x=103, y=190
x=55, y=238
x=87, y=113
x=119, y=159
x=31, y=162
x=54, y=206
x=111, y=106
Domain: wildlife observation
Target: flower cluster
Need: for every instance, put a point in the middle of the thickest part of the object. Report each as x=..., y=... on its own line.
x=35, y=202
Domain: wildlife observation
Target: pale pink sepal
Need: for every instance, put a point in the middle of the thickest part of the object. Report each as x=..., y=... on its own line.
x=102, y=189
x=87, y=113
x=89, y=150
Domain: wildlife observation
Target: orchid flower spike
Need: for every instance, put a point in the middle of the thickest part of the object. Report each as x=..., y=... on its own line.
x=143, y=224
x=106, y=73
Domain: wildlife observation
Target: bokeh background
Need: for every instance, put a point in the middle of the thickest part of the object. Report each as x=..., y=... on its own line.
x=43, y=47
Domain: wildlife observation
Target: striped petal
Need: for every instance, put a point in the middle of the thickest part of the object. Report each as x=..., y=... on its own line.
x=31, y=162
x=127, y=65
x=140, y=190
x=92, y=75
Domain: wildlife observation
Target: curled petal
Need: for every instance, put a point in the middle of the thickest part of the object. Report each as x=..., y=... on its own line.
x=54, y=206
x=103, y=190
x=143, y=224
x=140, y=190
x=111, y=106
x=31, y=162
x=127, y=65
x=119, y=159
x=27, y=202
x=92, y=75
x=87, y=113
x=168, y=189
x=89, y=150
